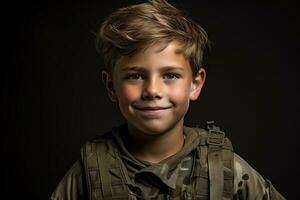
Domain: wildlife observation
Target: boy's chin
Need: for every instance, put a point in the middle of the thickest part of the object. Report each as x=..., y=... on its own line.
x=153, y=128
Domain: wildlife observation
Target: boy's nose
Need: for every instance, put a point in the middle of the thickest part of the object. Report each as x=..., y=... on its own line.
x=152, y=90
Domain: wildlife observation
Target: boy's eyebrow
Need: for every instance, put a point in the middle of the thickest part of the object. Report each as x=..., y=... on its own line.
x=133, y=68
x=165, y=68
x=169, y=68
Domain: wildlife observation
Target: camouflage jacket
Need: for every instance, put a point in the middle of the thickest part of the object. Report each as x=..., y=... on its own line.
x=247, y=183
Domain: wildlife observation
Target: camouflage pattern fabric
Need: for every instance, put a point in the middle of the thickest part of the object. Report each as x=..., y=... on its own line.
x=156, y=180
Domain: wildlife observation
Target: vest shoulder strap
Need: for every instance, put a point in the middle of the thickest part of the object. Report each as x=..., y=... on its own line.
x=216, y=160
x=104, y=172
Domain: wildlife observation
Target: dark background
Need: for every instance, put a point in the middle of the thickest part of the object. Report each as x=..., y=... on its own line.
x=53, y=100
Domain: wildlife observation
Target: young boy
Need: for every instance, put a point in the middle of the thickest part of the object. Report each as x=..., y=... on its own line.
x=153, y=59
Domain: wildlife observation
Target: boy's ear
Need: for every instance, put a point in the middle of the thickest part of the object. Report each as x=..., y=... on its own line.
x=109, y=85
x=198, y=82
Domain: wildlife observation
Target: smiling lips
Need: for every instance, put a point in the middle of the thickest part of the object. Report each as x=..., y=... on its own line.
x=152, y=110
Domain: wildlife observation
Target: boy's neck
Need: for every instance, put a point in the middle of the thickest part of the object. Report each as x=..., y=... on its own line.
x=157, y=147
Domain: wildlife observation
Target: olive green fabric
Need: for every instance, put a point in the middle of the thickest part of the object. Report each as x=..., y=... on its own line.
x=165, y=179
x=157, y=180
x=72, y=186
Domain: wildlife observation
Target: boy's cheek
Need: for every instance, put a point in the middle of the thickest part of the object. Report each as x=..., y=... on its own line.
x=128, y=94
x=179, y=93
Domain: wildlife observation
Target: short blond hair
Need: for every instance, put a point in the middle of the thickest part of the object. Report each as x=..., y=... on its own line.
x=137, y=27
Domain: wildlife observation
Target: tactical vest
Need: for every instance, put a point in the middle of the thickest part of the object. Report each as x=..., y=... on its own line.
x=211, y=177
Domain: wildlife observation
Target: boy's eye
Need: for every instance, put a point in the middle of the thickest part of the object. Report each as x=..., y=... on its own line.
x=135, y=76
x=171, y=76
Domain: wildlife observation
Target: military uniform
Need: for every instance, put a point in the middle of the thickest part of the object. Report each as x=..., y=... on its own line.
x=108, y=171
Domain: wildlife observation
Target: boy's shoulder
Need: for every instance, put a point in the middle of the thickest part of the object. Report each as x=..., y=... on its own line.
x=211, y=135
x=212, y=139
x=211, y=143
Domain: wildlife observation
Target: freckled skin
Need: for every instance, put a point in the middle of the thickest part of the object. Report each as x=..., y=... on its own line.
x=153, y=89
x=173, y=94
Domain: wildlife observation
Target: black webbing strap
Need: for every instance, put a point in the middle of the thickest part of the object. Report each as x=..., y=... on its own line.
x=215, y=142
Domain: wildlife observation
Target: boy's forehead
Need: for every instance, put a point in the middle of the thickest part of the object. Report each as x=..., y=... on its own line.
x=161, y=45
x=146, y=51
x=156, y=59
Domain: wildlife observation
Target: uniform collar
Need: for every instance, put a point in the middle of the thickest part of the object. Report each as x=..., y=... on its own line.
x=167, y=169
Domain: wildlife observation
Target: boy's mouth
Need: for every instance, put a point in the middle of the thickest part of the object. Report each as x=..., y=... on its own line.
x=151, y=111
x=152, y=108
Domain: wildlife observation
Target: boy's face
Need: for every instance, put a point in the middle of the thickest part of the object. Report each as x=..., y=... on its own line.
x=154, y=87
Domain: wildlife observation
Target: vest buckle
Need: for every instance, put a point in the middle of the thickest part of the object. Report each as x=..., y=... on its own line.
x=216, y=138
